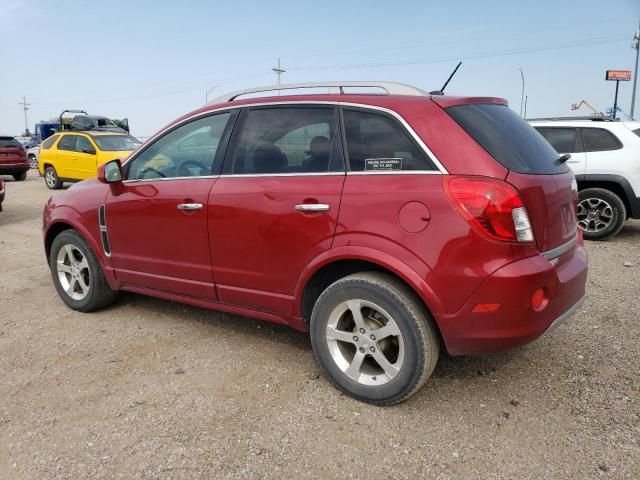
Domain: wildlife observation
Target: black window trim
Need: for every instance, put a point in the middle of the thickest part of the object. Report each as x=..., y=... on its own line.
x=217, y=160
x=227, y=168
x=584, y=145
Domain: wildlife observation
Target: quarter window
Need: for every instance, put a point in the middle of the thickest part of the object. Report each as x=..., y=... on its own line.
x=378, y=143
x=288, y=140
x=564, y=140
x=599, y=140
x=49, y=141
x=187, y=151
x=68, y=142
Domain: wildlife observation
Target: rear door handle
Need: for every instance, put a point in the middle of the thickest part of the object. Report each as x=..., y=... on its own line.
x=190, y=206
x=312, y=207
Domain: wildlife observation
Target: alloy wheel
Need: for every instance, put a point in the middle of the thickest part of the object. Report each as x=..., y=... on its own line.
x=73, y=272
x=50, y=178
x=365, y=342
x=594, y=215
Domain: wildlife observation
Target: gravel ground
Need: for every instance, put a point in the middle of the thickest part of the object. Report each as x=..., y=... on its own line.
x=154, y=389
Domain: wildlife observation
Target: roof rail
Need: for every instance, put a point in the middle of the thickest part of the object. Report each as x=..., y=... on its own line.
x=577, y=117
x=390, y=88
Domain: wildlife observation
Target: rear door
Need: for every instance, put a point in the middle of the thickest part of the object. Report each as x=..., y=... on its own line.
x=567, y=140
x=64, y=154
x=546, y=185
x=276, y=206
x=601, y=146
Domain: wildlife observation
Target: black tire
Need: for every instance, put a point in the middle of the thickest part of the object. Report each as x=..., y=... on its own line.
x=20, y=177
x=33, y=162
x=601, y=213
x=416, y=332
x=51, y=178
x=99, y=293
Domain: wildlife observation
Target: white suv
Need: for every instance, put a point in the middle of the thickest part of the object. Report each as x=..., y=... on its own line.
x=605, y=156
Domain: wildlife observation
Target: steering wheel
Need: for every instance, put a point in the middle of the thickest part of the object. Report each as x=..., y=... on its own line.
x=183, y=169
x=143, y=172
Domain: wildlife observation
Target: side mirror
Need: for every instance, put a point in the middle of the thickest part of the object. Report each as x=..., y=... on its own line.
x=90, y=151
x=110, y=172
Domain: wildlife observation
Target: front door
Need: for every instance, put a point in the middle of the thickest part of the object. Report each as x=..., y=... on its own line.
x=84, y=159
x=157, y=218
x=276, y=206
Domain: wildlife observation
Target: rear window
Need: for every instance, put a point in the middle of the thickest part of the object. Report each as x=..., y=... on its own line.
x=114, y=143
x=508, y=138
x=6, y=142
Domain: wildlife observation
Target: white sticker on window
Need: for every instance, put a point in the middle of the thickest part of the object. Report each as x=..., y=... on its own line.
x=383, y=164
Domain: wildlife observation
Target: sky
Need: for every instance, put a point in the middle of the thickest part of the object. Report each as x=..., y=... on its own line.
x=152, y=61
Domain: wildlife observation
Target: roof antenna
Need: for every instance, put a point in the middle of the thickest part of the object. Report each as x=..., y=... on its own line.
x=441, y=91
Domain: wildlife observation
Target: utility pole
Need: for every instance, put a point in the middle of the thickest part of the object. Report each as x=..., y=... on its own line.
x=25, y=107
x=636, y=46
x=279, y=71
x=522, y=95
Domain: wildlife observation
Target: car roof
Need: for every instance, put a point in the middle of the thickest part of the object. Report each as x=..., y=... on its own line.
x=579, y=122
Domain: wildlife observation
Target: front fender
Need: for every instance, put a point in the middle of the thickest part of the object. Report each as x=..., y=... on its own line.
x=88, y=230
x=377, y=257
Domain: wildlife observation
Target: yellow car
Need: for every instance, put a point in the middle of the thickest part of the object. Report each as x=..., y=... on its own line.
x=75, y=156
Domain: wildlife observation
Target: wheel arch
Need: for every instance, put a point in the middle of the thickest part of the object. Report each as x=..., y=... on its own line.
x=615, y=184
x=340, y=262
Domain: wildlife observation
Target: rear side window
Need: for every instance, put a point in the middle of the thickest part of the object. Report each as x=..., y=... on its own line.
x=564, y=140
x=637, y=131
x=289, y=140
x=379, y=143
x=68, y=142
x=6, y=142
x=48, y=142
x=508, y=138
x=599, y=140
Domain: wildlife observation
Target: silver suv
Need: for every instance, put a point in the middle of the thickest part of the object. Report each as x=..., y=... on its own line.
x=605, y=156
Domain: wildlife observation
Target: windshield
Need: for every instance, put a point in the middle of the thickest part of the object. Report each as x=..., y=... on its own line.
x=7, y=142
x=112, y=143
x=508, y=138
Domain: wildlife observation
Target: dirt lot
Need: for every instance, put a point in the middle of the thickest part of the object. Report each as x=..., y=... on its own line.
x=154, y=389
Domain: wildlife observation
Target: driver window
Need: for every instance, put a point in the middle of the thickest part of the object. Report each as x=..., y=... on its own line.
x=187, y=151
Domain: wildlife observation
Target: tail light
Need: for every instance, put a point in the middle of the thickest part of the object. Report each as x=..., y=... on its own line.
x=492, y=207
x=1, y=186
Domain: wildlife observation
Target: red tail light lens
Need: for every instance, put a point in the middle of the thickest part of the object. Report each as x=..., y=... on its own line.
x=492, y=207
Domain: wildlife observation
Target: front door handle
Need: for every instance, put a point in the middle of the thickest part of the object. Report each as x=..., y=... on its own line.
x=312, y=207
x=190, y=206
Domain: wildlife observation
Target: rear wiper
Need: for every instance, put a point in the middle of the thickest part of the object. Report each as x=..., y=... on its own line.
x=563, y=158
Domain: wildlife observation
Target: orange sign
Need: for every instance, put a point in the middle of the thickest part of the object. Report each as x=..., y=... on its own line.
x=618, y=75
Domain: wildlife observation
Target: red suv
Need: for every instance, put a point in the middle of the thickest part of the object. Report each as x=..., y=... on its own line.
x=13, y=158
x=387, y=225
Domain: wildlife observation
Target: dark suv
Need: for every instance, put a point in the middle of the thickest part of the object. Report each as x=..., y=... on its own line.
x=13, y=158
x=387, y=225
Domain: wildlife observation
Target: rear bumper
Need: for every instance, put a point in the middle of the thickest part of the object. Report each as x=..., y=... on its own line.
x=11, y=168
x=515, y=322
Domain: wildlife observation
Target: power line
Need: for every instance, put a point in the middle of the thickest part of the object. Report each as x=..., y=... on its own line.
x=492, y=53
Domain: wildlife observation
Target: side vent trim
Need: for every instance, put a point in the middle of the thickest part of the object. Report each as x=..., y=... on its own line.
x=102, y=220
